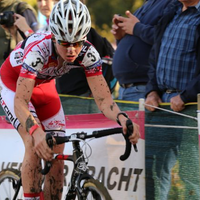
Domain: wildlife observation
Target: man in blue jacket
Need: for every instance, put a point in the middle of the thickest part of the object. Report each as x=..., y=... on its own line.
x=175, y=58
x=174, y=76
x=135, y=36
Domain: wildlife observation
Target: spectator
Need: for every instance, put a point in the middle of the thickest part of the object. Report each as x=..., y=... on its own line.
x=22, y=8
x=134, y=35
x=174, y=77
x=45, y=7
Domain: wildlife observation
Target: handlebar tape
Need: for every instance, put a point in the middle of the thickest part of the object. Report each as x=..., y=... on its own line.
x=127, y=152
x=128, y=144
x=106, y=132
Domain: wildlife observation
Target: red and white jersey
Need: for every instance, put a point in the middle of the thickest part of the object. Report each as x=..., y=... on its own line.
x=36, y=58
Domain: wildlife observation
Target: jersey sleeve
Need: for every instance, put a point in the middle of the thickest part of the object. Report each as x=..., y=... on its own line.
x=92, y=62
x=32, y=63
x=36, y=54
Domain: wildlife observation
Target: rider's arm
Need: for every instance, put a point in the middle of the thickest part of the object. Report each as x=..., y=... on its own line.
x=103, y=98
x=101, y=92
x=22, y=98
x=106, y=104
x=98, y=85
x=28, y=122
x=32, y=63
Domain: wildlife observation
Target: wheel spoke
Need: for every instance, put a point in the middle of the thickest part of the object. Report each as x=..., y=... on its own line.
x=8, y=184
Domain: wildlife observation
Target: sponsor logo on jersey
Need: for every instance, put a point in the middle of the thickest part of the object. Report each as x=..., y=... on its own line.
x=95, y=65
x=56, y=124
x=28, y=68
x=19, y=61
x=18, y=55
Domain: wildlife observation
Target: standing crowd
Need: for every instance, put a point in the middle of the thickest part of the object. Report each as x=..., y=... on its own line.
x=156, y=58
x=28, y=87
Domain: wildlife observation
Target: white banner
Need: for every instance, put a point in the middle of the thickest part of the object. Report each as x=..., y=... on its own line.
x=124, y=180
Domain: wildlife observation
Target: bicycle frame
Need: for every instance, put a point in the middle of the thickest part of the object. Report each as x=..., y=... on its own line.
x=79, y=173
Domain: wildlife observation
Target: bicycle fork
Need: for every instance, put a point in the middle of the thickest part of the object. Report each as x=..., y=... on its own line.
x=79, y=174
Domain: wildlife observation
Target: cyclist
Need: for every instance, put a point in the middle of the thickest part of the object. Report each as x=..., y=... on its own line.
x=30, y=99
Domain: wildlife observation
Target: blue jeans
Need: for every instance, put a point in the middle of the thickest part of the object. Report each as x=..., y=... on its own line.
x=132, y=93
x=167, y=96
x=162, y=152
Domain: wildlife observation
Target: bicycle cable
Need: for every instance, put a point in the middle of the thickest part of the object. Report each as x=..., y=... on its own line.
x=85, y=155
x=86, y=144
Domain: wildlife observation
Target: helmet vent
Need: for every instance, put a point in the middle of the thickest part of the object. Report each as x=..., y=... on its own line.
x=70, y=20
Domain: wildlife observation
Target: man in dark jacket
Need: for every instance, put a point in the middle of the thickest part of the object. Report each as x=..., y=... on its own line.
x=174, y=77
x=134, y=35
x=22, y=8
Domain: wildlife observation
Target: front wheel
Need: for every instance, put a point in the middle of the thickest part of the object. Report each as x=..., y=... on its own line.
x=10, y=182
x=94, y=190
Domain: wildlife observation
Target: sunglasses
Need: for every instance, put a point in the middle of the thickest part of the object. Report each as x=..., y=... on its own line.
x=67, y=44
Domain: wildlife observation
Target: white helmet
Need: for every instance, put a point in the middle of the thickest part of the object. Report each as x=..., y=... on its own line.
x=70, y=21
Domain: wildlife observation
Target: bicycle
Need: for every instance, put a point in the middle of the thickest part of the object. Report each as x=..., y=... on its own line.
x=82, y=185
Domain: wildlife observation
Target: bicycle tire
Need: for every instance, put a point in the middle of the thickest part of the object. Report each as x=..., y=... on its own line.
x=9, y=179
x=95, y=190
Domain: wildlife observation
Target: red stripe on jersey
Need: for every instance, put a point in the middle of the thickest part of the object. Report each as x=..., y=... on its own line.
x=27, y=49
x=27, y=75
x=94, y=72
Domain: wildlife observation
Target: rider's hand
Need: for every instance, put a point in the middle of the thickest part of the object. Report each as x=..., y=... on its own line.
x=40, y=145
x=136, y=130
x=135, y=135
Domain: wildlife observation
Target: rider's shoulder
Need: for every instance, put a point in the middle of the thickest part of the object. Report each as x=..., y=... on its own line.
x=38, y=38
x=38, y=42
x=89, y=55
x=89, y=50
